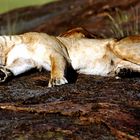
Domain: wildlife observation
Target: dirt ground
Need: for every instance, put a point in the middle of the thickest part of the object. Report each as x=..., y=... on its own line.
x=92, y=108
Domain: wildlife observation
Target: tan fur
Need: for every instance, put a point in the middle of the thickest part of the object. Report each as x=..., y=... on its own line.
x=105, y=57
x=128, y=49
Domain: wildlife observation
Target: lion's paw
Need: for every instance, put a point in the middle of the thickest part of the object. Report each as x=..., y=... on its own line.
x=124, y=72
x=4, y=73
x=57, y=81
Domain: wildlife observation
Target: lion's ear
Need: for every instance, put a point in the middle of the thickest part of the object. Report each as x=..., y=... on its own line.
x=79, y=32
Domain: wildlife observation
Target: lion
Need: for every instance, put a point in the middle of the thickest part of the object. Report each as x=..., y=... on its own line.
x=92, y=56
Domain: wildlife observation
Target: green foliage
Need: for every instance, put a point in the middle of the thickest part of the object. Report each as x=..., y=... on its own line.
x=123, y=23
x=18, y=25
x=6, y=5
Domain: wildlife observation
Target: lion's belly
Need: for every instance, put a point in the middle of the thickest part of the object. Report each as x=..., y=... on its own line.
x=99, y=69
x=95, y=61
x=93, y=67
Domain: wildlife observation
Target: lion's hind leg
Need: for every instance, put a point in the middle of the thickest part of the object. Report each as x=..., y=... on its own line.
x=4, y=73
x=18, y=66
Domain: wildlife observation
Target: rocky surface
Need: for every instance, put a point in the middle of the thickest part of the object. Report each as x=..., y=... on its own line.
x=92, y=108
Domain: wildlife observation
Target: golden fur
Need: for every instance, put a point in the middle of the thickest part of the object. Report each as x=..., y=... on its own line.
x=105, y=57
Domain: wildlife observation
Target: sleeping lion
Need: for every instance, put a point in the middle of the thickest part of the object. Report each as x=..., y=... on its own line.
x=104, y=57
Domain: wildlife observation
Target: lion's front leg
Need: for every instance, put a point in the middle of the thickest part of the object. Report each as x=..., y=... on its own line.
x=58, y=70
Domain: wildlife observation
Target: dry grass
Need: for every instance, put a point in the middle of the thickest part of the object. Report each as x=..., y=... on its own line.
x=123, y=23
